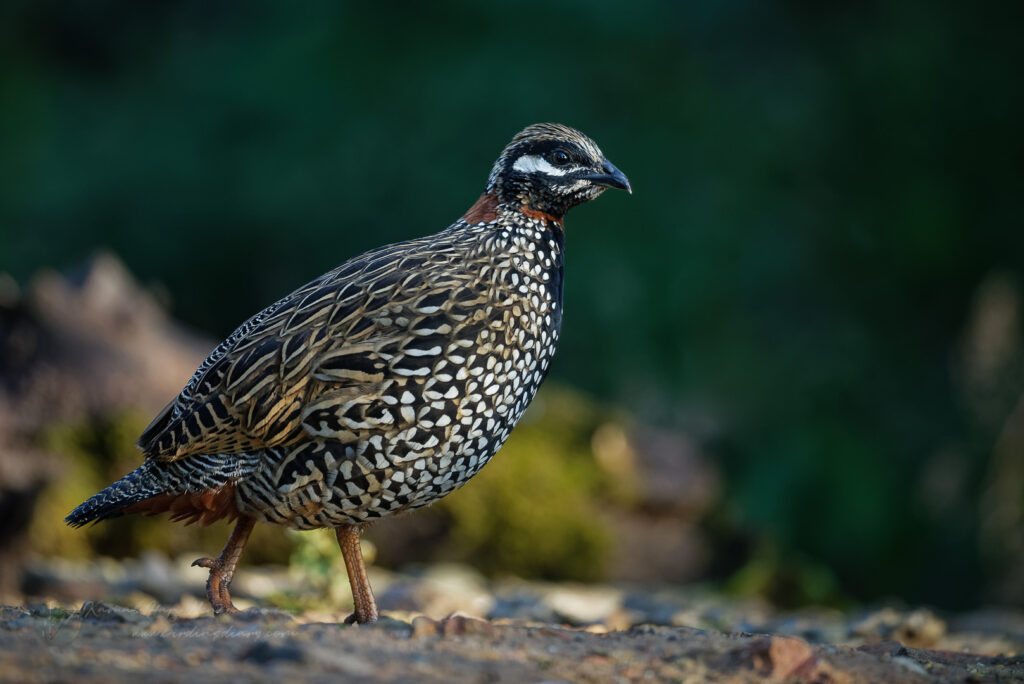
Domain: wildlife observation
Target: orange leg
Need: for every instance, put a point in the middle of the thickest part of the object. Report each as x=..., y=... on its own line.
x=222, y=569
x=362, y=593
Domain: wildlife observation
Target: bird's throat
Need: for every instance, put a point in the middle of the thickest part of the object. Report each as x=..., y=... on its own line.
x=540, y=215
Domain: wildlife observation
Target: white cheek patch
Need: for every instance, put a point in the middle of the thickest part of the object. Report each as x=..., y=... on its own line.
x=531, y=163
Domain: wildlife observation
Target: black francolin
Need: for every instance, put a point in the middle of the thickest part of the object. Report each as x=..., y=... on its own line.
x=380, y=386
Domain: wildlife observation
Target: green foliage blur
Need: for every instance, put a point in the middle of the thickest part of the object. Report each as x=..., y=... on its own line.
x=820, y=191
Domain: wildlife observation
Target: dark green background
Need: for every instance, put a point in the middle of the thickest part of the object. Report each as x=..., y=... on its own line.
x=820, y=190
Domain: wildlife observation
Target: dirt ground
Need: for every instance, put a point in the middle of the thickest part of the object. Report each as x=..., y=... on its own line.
x=147, y=620
x=102, y=642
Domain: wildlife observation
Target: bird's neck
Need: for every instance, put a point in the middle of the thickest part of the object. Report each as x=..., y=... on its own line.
x=490, y=208
x=524, y=240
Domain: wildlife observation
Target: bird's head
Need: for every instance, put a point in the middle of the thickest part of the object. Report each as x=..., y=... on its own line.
x=550, y=168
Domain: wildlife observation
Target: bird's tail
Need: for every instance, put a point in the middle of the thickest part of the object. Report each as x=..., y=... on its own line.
x=138, y=485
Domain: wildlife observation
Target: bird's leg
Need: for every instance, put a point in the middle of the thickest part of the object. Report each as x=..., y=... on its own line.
x=222, y=568
x=362, y=593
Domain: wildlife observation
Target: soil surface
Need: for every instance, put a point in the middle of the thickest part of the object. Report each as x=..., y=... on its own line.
x=511, y=631
x=107, y=643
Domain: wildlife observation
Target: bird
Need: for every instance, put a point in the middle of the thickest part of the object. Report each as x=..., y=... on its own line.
x=379, y=387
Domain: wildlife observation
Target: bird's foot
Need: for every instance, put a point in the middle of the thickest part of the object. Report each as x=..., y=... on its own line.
x=361, y=617
x=365, y=619
x=217, y=585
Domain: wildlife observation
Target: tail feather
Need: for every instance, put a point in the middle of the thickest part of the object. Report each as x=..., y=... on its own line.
x=136, y=486
x=197, y=488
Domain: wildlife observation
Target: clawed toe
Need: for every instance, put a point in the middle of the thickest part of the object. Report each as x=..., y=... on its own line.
x=222, y=568
x=224, y=607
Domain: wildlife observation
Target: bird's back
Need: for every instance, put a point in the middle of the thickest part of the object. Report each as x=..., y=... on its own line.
x=251, y=390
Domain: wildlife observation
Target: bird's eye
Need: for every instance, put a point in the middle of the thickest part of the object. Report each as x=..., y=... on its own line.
x=559, y=157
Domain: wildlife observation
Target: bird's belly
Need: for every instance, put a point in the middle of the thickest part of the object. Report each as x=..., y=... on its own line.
x=440, y=439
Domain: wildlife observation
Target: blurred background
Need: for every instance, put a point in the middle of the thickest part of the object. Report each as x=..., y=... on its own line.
x=791, y=364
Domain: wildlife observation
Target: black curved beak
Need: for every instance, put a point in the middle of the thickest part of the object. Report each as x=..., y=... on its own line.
x=612, y=178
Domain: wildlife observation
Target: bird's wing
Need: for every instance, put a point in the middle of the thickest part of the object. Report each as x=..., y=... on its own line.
x=319, y=361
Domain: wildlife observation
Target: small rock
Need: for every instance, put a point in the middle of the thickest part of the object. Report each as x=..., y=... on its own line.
x=620, y=620
x=779, y=659
x=457, y=624
x=789, y=655
x=920, y=629
x=584, y=605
